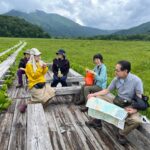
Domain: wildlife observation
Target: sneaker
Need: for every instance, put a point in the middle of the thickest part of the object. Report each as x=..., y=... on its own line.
x=84, y=109
x=94, y=123
x=79, y=102
x=122, y=139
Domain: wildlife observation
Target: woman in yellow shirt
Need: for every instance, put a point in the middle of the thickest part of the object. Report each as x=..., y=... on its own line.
x=35, y=71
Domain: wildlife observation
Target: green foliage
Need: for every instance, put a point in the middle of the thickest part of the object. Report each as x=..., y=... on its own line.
x=5, y=102
x=6, y=43
x=134, y=37
x=15, y=27
x=6, y=55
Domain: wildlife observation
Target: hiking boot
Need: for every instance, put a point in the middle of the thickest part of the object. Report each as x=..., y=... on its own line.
x=84, y=109
x=95, y=123
x=122, y=139
x=79, y=102
x=19, y=86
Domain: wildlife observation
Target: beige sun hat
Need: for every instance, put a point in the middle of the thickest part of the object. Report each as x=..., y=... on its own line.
x=35, y=51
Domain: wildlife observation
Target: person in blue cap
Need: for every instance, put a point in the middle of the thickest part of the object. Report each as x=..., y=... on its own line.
x=60, y=68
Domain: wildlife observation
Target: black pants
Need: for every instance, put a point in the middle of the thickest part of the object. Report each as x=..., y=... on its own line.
x=57, y=80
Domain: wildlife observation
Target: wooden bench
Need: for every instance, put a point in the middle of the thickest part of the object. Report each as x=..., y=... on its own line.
x=37, y=129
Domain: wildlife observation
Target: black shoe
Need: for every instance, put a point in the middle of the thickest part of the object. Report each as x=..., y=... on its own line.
x=122, y=140
x=84, y=109
x=19, y=86
x=94, y=124
x=80, y=102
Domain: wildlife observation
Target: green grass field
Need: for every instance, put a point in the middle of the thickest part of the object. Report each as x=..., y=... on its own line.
x=6, y=43
x=80, y=53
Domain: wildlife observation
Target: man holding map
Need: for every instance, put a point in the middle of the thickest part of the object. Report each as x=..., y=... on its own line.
x=127, y=87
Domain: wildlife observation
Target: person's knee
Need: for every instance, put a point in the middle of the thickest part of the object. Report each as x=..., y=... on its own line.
x=86, y=89
x=19, y=72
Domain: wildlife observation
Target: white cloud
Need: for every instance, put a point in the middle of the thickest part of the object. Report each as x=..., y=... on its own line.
x=104, y=14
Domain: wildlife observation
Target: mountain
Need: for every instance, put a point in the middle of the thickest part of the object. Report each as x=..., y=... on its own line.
x=16, y=27
x=56, y=25
x=141, y=29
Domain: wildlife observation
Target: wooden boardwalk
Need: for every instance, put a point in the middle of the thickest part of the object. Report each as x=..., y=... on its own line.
x=60, y=126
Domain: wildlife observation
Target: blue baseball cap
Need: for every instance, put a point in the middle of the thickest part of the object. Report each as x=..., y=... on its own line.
x=61, y=51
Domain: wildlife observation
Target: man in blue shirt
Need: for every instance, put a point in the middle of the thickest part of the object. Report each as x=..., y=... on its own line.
x=127, y=86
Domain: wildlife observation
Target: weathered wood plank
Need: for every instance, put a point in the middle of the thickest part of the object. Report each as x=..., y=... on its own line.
x=18, y=129
x=5, y=65
x=140, y=141
x=54, y=130
x=94, y=139
x=5, y=126
x=145, y=130
x=68, y=90
x=70, y=79
x=112, y=133
x=108, y=135
x=71, y=137
x=37, y=129
x=59, y=91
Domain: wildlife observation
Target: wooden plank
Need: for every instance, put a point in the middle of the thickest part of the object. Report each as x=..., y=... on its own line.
x=112, y=133
x=140, y=141
x=68, y=90
x=73, y=73
x=54, y=129
x=95, y=140
x=5, y=126
x=108, y=135
x=70, y=136
x=80, y=139
x=37, y=129
x=5, y=65
x=145, y=130
x=70, y=79
x=18, y=129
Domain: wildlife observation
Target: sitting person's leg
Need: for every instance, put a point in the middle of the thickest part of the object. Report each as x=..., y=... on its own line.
x=87, y=91
x=96, y=123
x=55, y=81
x=132, y=122
x=63, y=81
x=82, y=98
x=20, y=81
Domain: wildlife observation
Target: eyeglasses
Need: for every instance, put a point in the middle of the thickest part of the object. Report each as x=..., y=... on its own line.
x=116, y=70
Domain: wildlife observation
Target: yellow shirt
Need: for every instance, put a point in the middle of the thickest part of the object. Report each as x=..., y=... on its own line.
x=35, y=77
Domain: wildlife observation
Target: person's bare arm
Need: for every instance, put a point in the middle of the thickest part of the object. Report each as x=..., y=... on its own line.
x=103, y=92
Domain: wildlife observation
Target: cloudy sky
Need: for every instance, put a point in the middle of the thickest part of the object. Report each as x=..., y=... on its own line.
x=103, y=14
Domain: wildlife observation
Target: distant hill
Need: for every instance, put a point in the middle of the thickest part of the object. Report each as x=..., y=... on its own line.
x=141, y=29
x=15, y=27
x=56, y=25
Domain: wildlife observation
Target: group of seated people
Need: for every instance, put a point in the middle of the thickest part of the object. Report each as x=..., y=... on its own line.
x=126, y=85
